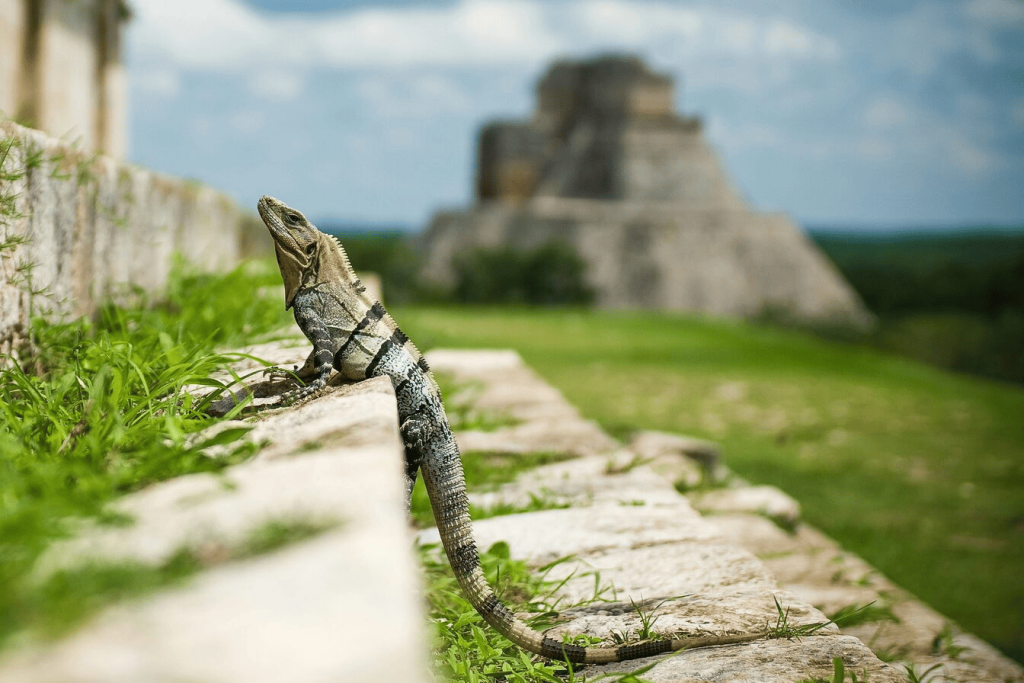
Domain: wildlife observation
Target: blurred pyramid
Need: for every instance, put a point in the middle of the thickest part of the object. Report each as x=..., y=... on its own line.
x=607, y=166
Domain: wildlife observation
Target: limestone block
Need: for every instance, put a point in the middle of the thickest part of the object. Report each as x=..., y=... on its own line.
x=503, y=383
x=765, y=500
x=300, y=613
x=763, y=537
x=342, y=607
x=53, y=199
x=340, y=462
x=731, y=611
x=663, y=570
x=14, y=296
x=575, y=438
x=108, y=255
x=980, y=662
x=680, y=459
x=548, y=535
x=585, y=481
x=823, y=568
x=156, y=205
x=651, y=444
x=770, y=661
x=499, y=383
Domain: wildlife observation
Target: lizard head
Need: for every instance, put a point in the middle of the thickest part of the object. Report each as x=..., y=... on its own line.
x=296, y=242
x=302, y=250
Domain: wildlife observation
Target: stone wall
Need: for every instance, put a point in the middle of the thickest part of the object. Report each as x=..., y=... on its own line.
x=61, y=69
x=76, y=228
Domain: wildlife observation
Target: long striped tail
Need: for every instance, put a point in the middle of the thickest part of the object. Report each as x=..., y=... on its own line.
x=446, y=486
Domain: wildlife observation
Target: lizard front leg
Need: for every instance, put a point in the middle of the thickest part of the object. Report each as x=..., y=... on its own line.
x=304, y=372
x=319, y=363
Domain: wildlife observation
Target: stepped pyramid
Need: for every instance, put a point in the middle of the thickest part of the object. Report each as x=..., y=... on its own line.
x=609, y=167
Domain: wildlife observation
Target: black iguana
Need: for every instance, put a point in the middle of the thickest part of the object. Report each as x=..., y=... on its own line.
x=354, y=335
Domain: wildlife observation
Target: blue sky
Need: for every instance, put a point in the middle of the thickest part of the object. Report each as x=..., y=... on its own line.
x=874, y=112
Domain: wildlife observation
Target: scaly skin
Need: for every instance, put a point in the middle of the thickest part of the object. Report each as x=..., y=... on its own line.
x=354, y=335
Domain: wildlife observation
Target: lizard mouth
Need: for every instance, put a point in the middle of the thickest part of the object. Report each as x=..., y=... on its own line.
x=266, y=207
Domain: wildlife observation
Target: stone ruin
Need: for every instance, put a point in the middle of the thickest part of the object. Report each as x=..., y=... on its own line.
x=607, y=166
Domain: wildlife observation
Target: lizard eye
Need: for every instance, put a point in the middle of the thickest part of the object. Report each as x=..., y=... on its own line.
x=292, y=217
x=311, y=248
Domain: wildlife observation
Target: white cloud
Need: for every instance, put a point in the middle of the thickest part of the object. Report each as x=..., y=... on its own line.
x=886, y=112
x=875, y=148
x=248, y=121
x=1017, y=113
x=468, y=34
x=895, y=127
x=617, y=23
x=414, y=96
x=996, y=11
x=966, y=156
x=205, y=34
x=277, y=84
x=782, y=38
x=163, y=83
x=923, y=39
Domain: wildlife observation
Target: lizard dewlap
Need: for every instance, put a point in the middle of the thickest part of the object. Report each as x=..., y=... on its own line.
x=353, y=334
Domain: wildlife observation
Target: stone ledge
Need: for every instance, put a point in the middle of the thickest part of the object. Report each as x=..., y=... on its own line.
x=299, y=613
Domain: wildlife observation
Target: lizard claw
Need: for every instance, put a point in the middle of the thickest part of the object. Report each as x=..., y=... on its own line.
x=275, y=373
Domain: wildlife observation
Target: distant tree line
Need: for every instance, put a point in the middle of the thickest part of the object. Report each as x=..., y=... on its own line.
x=954, y=300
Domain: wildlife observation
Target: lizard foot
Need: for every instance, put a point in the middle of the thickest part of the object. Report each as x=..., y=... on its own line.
x=275, y=373
x=416, y=433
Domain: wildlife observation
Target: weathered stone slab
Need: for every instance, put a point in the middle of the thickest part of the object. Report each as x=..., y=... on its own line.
x=551, y=436
x=732, y=611
x=499, y=383
x=770, y=661
x=765, y=500
x=504, y=384
x=199, y=509
x=816, y=571
x=979, y=662
x=343, y=607
x=663, y=570
x=585, y=481
x=653, y=444
x=545, y=536
x=763, y=537
x=825, y=568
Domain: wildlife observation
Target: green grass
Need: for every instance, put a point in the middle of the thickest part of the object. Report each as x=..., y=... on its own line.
x=465, y=647
x=100, y=411
x=918, y=470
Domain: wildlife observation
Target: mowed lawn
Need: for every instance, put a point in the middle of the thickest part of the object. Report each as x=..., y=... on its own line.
x=918, y=470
